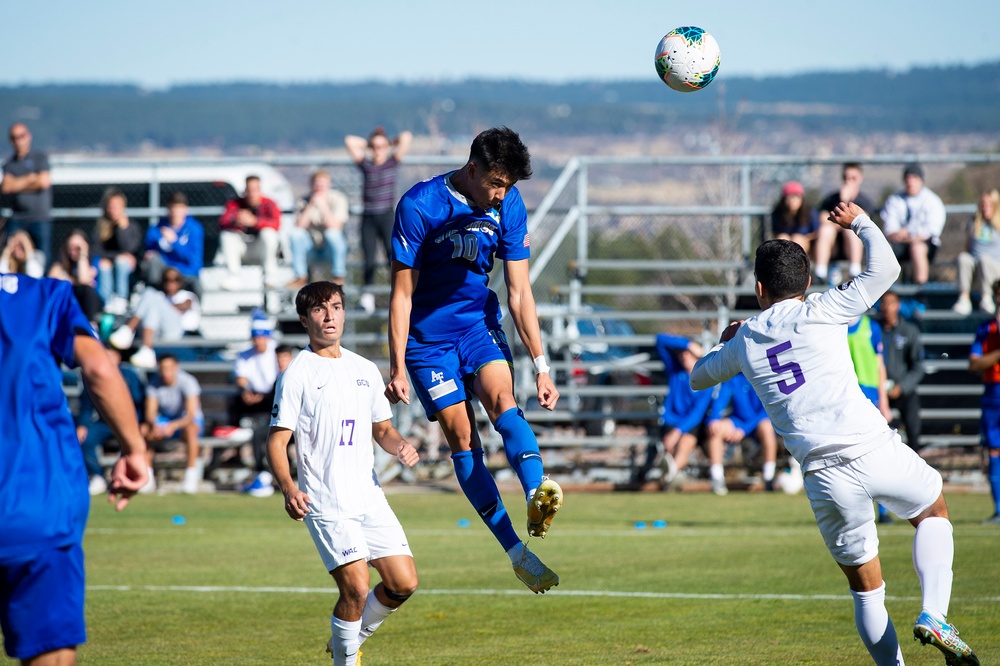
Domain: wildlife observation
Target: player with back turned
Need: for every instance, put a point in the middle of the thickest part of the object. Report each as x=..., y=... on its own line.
x=796, y=356
x=444, y=328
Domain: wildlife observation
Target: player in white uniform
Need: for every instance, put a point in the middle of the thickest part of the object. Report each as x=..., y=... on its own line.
x=333, y=401
x=796, y=356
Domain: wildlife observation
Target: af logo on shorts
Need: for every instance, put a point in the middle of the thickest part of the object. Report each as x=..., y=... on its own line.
x=441, y=388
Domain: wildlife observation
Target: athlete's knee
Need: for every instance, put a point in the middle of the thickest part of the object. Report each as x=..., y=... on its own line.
x=403, y=590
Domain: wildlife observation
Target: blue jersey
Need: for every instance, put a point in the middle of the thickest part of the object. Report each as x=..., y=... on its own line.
x=453, y=245
x=45, y=501
x=747, y=409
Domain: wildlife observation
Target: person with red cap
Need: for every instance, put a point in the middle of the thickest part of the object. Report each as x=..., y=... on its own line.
x=791, y=219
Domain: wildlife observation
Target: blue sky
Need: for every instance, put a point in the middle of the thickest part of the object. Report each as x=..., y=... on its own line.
x=157, y=44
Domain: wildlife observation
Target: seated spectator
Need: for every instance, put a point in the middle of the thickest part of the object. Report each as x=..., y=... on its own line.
x=851, y=177
x=979, y=265
x=747, y=417
x=73, y=265
x=19, y=256
x=176, y=241
x=116, y=243
x=684, y=410
x=173, y=411
x=93, y=431
x=249, y=230
x=913, y=220
x=320, y=227
x=791, y=219
x=164, y=316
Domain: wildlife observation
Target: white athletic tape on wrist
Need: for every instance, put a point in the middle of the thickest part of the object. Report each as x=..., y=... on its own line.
x=540, y=364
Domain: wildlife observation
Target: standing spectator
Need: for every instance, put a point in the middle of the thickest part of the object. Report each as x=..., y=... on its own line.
x=904, y=366
x=913, y=220
x=255, y=372
x=249, y=230
x=851, y=178
x=791, y=219
x=116, y=243
x=93, y=430
x=19, y=256
x=173, y=410
x=164, y=314
x=45, y=502
x=379, y=195
x=980, y=263
x=320, y=225
x=26, y=176
x=984, y=357
x=177, y=241
x=75, y=267
x=747, y=417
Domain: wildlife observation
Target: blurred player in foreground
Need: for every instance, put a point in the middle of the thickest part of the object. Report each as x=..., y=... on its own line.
x=795, y=354
x=444, y=324
x=333, y=401
x=42, y=473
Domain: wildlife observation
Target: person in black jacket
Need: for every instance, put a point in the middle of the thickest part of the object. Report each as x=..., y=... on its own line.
x=904, y=366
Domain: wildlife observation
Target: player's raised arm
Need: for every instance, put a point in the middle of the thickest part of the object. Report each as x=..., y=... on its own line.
x=718, y=365
x=521, y=304
x=883, y=268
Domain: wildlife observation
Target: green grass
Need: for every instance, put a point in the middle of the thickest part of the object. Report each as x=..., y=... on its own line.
x=471, y=609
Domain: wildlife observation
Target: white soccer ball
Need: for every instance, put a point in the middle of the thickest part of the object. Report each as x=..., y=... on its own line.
x=790, y=481
x=687, y=59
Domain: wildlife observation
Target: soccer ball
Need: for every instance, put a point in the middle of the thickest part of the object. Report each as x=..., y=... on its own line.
x=687, y=59
x=790, y=480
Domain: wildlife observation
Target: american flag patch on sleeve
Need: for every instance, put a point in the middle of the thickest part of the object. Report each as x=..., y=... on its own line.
x=527, y=241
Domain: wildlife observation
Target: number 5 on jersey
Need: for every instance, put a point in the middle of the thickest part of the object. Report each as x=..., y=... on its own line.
x=798, y=379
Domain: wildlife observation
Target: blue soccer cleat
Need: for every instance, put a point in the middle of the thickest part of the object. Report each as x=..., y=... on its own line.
x=944, y=637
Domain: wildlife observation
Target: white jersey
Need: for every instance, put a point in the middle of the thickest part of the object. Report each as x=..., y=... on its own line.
x=260, y=370
x=795, y=355
x=330, y=405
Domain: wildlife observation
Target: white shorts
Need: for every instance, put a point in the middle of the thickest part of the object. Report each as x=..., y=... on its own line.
x=369, y=536
x=841, y=497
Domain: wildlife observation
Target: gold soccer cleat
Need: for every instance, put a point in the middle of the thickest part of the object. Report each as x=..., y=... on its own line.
x=542, y=508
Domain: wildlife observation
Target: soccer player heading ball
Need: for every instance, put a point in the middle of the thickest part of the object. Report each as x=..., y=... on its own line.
x=796, y=356
x=444, y=327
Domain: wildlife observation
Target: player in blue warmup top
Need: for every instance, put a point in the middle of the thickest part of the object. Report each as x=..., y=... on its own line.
x=444, y=324
x=42, y=473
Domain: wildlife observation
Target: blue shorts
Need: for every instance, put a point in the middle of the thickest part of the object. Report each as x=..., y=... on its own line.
x=989, y=426
x=41, y=602
x=439, y=370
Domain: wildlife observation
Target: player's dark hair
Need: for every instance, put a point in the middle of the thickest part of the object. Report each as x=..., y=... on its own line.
x=782, y=268
x=285, y=349
x=500, y=149
x=851, y=165
x=315, y=294
x=166, y=356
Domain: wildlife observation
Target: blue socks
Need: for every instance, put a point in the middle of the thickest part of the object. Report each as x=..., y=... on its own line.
x=994, y=476
x=478, y=485
x=521, y=447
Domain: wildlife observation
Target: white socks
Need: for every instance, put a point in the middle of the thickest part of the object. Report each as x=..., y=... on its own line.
x=875, y=627
x=933, y=554
x=717, y=472
x=515, y=552
x=767, y=471
x=373, y=615
x=345, y=641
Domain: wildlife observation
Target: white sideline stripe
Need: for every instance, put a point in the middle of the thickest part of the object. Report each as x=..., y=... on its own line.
x=570, y=593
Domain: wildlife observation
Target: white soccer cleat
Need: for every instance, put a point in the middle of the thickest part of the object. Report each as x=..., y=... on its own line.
x=542, y=507
x=944, y=637
x=533, y=573
x=144, y=358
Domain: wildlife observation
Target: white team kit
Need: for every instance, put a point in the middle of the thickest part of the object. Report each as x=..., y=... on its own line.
x=795, y=355
x=330, y=405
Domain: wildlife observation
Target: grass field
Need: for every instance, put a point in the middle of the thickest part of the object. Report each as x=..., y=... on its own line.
x=741, y=579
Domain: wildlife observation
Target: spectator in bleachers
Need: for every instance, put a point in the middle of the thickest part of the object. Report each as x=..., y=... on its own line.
x=74, y=266
x=984, y=357
x=262, y=484
x=851, y=178
x=319, y=229
x=26, y=177
x=176, y=241
x=173, y=411
x=117, y=243
x=792, y=219
x=164, y=315
x=747, y=417
x=979, y=264
x=913, y=220
x=684, y=410
x=255, y=372
x=250, y=229
x=19, y=256
x=379, y=196
x=904, y=366
x=91, y=428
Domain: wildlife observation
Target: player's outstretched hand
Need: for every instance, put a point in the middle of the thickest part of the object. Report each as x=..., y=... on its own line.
x=128, y=475
x=548, y=396
x=407, y=454
x=398, y=389
x=297, y=504
x=844, y=213
x=730, y=331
